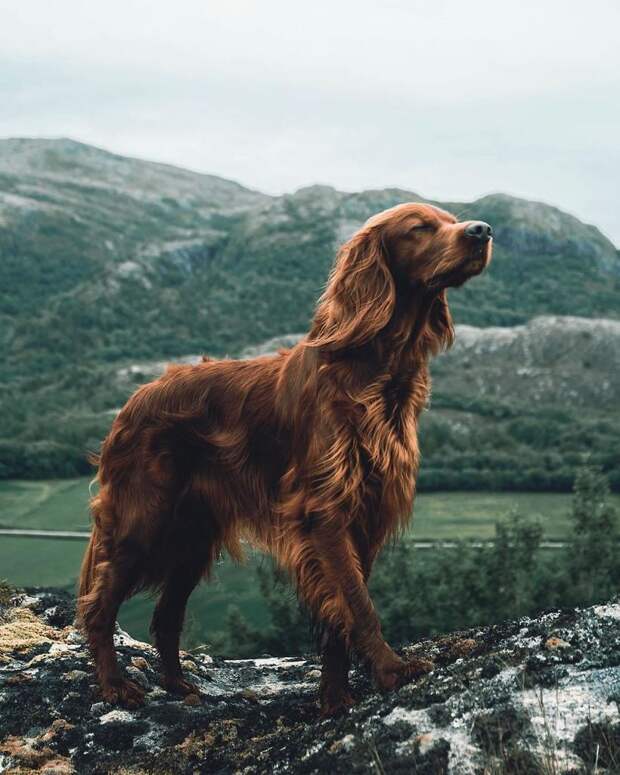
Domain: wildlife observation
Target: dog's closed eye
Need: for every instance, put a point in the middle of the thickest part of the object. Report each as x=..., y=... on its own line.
x=422, y=227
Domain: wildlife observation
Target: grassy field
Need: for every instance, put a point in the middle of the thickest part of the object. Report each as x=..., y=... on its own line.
x=63, y=505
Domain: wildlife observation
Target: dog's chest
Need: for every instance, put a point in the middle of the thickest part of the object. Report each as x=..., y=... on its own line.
x=388, y=424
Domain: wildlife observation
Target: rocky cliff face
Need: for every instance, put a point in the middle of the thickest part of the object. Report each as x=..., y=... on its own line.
x=551, y=358
x=527, y=696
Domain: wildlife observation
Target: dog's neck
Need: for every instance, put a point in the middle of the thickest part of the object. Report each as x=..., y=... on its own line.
x=396, y=355
x=402, y=347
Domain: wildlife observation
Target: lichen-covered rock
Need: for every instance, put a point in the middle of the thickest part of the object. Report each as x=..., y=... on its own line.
x=529, y=696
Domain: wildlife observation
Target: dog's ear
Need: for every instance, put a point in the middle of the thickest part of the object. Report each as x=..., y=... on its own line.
x=438, y=334
x=360, y=295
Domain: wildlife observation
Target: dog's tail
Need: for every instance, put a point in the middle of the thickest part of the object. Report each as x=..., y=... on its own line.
x=96, y=557
x=87, y=572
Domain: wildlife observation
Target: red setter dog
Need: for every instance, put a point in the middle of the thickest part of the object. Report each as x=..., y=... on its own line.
x=311, y=454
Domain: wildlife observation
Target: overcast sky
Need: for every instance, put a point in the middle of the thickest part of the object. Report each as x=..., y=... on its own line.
x=449, y=98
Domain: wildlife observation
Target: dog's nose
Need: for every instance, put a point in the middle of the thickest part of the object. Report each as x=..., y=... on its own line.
x=479, y=230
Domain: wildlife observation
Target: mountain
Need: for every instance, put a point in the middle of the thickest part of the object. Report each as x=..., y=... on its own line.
x=90, y=240
x=105, y=261
x=105, y=257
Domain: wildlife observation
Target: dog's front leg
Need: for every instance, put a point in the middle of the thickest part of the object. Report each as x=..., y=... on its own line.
x=338, y=595
x=335, y=693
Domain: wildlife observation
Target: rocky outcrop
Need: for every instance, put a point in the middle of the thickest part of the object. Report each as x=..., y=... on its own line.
x=527, y=696
x=551, y=358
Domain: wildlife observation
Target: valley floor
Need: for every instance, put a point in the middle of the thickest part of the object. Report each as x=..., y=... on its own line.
x=63, y=505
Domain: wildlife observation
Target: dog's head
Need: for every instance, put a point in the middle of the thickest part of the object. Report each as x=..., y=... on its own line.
x=428, y=245
x=417, y=248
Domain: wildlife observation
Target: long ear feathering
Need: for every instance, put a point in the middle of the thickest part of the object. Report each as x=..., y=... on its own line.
x=360, y=295
x=438, y=333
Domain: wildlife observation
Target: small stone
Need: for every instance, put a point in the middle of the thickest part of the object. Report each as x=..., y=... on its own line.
x=28, y=601
x=19, y=678
x=140, y=663
x=97, y=708
x=424, y=743
x=58, y=766
x=59, y=725
x=313, y=675
x=37, y=660
x=75, y=675
x=138, y=676
x=347, y=743
x=554, y=643
x=192, y=699
x=187, y=664
x=74, y=637
x=115, y=716
x=58, y=648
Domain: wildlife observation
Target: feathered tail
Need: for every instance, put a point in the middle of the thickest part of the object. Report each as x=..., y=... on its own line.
x=96, y=556
x=87, y=573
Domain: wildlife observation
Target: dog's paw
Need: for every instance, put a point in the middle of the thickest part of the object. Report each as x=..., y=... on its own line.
x=416, y=667
x=123, y=692
x=397, y=672
x=335, y=701
x=180, y=686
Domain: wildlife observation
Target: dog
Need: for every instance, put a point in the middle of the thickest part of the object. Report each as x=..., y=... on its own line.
x=311, y=454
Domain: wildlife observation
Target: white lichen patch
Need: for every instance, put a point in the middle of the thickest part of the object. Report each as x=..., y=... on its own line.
x=277, y=662
x=116, y=715
x=271, y=686
x=312, y=750
x=121, y=638
x=415, y=718
x=609, y=611
x=60, y=649
x=557, y=715
x=523, y=640
x=463, y=755
x=149, y=741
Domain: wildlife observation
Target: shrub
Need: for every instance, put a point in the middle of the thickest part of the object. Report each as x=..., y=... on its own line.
x=420, y=593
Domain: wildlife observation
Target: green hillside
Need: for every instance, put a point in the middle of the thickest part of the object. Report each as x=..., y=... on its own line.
x=107, y=261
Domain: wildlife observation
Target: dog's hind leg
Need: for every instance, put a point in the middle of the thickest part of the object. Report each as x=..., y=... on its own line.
x=167, y=623
x=193, y=545
x=116, y=578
